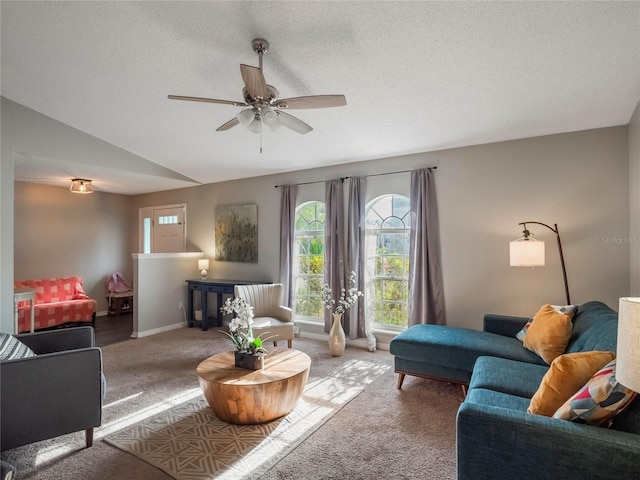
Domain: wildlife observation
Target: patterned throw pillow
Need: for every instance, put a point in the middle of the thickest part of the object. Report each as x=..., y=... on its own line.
x=11, y=347
x=601, y=399
x=567, y=309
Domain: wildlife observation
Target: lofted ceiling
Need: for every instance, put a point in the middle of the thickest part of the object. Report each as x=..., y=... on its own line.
x=417, y=76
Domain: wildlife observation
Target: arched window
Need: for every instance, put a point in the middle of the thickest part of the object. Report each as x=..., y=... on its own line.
x=388, y=223
x=309, y=261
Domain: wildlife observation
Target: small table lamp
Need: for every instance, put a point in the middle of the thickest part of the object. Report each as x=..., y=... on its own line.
x=203, y=266
x=628, y=351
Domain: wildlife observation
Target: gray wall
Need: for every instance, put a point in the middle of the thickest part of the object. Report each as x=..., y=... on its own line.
x=634, y=201
x=25, y=131
x=577, y=180
x=62, y=234
x=6, y=221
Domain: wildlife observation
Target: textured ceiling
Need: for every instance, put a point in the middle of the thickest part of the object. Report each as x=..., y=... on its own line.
x=418, y=76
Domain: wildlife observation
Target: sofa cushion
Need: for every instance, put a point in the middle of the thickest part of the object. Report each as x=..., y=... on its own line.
x=597, y=402
x=548, y=334
x=11, y=348
x=595, y=327
x=507, y=376
x=493, y=398
x=629, y=419
x=566, y=375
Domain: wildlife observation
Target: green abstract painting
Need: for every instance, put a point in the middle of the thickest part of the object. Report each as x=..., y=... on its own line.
x=236, y=233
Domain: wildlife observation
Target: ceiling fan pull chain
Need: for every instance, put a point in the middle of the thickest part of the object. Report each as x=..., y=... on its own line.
x=261, y=125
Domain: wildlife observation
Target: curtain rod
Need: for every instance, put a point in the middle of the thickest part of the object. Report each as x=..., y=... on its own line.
x=342, y=179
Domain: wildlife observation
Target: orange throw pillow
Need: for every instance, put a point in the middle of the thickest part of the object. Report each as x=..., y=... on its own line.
x=548, y=334
x=566, y=375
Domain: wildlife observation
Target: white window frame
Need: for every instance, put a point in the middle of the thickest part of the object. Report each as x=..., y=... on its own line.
x=296, y=263
x=371, y=242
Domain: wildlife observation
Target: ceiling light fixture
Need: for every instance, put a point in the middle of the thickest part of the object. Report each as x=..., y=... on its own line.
x=246, y=117
x=81, y=185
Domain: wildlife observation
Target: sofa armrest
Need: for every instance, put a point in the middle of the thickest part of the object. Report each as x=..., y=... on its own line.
x=504, y=325
x=58, y=340
x=521, y=445
x=50, y=395
x=283, y=313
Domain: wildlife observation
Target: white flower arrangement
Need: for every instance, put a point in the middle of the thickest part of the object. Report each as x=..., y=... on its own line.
x=347, y=298
x=240, y=326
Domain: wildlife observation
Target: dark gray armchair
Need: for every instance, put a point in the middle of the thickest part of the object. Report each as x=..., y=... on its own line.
x=59, y=391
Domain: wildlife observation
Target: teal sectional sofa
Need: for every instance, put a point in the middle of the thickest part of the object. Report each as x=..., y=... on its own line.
x=496, y=437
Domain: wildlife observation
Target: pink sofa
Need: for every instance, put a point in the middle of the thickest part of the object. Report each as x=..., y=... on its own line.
x=58, y=301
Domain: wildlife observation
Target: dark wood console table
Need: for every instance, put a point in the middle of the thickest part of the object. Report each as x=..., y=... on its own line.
x=206, y=286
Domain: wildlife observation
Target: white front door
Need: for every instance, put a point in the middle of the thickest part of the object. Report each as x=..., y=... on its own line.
x=168, y=230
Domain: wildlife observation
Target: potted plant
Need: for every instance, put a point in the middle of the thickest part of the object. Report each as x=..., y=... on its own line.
x=249, y=351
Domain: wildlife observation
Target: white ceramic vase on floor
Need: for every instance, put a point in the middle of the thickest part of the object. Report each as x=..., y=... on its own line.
x=337, y=339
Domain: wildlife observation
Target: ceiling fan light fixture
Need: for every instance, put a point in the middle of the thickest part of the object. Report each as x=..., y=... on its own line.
x=261, y=103
x=268, y=115
x=255, y=126
x=275, y=125
x=81, y=185
x=246, y=117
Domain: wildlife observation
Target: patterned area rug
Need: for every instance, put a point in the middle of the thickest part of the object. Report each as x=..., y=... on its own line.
x=190, y=443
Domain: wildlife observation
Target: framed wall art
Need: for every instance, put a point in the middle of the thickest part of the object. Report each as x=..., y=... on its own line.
x=236, y=233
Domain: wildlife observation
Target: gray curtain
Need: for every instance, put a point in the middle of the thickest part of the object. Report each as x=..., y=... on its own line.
x=355, y=325
x=334, y=238
x=426, y=295
x=287, y=231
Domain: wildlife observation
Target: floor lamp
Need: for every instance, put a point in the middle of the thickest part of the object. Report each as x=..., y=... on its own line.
x=529, y=252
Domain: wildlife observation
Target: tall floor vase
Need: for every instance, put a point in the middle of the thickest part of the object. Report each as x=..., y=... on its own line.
x=337, y=339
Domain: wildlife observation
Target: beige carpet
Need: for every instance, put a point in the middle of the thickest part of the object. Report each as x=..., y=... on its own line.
x=190, y=443
x=382, y=433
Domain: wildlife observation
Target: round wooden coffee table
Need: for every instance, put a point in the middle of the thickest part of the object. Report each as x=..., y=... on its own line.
x=242, y=396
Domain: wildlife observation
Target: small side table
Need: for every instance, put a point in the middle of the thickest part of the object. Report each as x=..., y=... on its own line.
x=24, y=294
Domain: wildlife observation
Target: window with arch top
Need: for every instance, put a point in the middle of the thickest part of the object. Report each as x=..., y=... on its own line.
x=388, y=223
x=309, y=261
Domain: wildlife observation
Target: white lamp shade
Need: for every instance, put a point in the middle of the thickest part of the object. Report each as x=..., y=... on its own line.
x=628, y=351
x=526, y=253
x=246, y=117
x=203, y=264
x=255, y=126
x=268, y=115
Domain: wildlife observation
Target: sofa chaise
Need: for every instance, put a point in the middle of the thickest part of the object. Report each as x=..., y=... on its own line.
x=496, y=436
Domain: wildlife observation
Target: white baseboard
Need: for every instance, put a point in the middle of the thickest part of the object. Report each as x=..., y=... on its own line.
x=102, y=313
x=154, y=331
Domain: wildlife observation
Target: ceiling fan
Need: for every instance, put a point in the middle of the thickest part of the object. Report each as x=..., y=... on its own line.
x=261, y=100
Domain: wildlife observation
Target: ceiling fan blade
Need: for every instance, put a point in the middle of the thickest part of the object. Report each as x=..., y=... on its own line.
x=254, y=81
x=293, y=123
x=313, y=101
x=230, y=124
x=207, y=100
